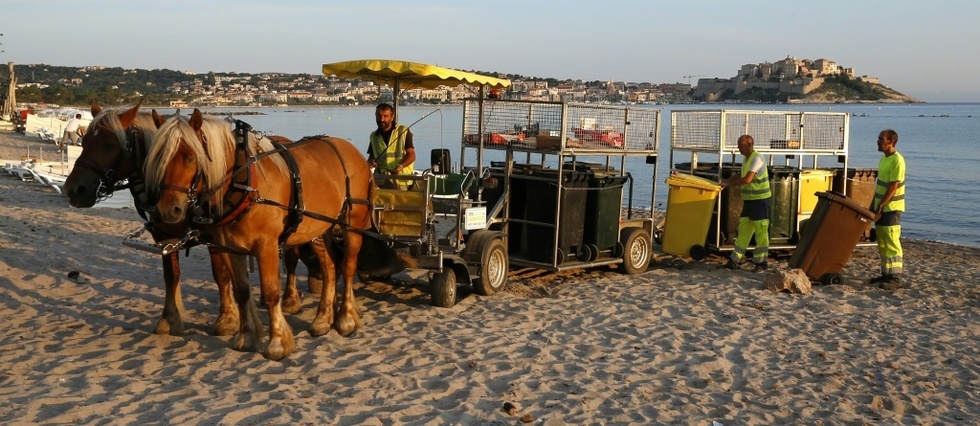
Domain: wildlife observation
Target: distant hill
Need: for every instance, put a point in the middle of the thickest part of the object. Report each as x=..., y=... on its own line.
x=796, y=80
x=843, y=89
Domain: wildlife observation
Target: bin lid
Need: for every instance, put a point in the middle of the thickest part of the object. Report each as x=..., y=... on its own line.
x=836, y=197
x=691, y=181
x=815, y=173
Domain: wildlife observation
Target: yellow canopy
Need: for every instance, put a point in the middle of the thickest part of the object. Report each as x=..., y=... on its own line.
x=410, y=73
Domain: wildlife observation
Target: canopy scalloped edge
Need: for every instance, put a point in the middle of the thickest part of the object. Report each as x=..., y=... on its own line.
x=409, y=73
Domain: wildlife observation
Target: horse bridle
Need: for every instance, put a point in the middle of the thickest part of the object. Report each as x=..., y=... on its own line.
x=108, y=181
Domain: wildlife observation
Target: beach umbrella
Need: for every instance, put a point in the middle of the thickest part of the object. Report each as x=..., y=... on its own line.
x=409, y=74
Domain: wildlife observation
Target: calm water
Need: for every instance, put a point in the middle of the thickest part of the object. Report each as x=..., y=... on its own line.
x=938, y=141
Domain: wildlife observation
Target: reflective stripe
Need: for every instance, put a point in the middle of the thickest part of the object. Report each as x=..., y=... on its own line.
x=885, y=185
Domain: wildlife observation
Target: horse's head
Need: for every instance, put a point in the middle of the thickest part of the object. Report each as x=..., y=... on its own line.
x=181, y=163
x=109, y=154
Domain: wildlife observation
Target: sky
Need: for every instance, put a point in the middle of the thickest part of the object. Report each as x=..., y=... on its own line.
x=929, y=50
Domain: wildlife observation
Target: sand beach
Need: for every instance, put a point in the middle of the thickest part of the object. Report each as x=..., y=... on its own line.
x=684, y=343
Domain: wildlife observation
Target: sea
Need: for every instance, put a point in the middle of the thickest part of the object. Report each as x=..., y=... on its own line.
x=938, y=140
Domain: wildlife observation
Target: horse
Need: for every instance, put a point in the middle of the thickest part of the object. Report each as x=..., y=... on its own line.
x=114, y=148
x=245, y=193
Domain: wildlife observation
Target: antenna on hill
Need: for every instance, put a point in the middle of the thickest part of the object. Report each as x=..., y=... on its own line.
x=689, y=77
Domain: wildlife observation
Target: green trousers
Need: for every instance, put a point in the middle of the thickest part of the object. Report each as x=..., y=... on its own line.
x=746, y=229
x=889, y=248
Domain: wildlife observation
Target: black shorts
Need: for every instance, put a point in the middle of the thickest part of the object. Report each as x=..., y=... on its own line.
x=756, y=209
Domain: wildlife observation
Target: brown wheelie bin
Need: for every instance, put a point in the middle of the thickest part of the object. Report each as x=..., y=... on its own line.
x=827, y=242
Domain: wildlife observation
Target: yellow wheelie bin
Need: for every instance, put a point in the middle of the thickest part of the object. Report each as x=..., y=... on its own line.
x=690, y=202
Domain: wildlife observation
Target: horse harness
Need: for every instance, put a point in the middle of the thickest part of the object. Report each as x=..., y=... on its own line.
x=242, y=195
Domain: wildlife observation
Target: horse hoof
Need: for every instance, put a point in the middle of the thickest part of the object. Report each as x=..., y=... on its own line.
x=291, y=307
x=277, y=349
x=164, y=328
x=226, y=326
x=346, y=326
x=242, y=344
x=319, y=328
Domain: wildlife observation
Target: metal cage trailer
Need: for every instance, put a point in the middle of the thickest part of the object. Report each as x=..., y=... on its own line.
x=556, y=189
x=795, y=145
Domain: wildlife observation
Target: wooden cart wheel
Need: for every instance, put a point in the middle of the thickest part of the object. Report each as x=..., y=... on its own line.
x=443, y=288
x=494, y=266
x=637, y=250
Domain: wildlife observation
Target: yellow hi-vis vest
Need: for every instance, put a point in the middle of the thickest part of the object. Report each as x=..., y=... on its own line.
x=891, y=168
x=389, y=155
x=758, y=189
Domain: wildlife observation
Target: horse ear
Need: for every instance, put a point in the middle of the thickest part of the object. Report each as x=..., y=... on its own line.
x=197, y=120
x=96, y=109
x=157, y=118
x=128, y=116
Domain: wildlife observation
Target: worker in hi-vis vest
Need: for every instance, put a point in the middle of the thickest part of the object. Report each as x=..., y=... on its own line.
x=391, y=150
x=888, y=205
x=753, y=181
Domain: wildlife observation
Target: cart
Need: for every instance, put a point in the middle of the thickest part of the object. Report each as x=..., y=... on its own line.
x=795, y=144
x=551, y=200
x=556, y=189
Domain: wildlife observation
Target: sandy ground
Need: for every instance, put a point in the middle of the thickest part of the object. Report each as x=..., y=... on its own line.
x=684, y=343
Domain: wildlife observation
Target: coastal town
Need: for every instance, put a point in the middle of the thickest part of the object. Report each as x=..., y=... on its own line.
x=785, y=80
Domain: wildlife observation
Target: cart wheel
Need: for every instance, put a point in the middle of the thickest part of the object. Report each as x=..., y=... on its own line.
x=443, y=288
x=831, y=279
x=698, y=252
x=494, y=265
x=637, y=250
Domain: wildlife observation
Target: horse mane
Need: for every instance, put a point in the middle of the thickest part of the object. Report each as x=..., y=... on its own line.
x=143, y=122
x=214, y=162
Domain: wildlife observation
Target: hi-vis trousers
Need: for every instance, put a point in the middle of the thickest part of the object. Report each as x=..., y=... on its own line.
x=890, y=248
x=747, y=228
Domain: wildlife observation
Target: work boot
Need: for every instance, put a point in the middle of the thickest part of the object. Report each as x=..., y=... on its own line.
x=879, y=280
x=761, y=267
x=894, y=282
x=732, y=264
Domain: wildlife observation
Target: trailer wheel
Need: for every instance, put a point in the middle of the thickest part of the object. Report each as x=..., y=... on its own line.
x=637, y=250
x=442, y=287
x=494, y=266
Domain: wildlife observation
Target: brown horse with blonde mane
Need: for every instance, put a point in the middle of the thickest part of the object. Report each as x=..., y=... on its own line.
x=250, y=195
x=114, y=148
